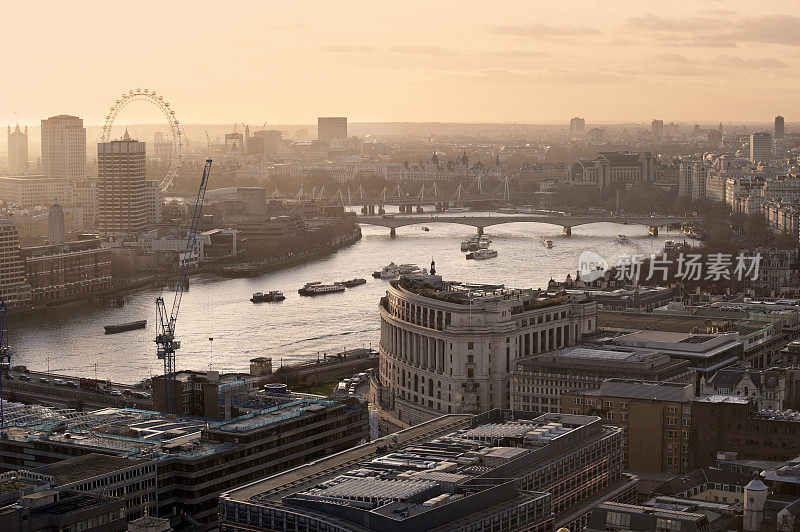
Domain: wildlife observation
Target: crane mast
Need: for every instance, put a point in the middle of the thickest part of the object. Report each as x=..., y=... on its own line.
x=165, y=323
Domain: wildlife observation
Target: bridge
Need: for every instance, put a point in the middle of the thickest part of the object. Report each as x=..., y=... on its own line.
x=486, y=220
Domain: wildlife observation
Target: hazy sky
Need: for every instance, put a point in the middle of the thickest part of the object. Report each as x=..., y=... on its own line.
x=289, y=62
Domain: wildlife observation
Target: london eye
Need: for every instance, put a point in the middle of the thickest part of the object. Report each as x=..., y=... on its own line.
x=174, y=126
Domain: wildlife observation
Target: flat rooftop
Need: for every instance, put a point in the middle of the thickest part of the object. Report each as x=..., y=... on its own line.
x=631, y=321
x=85, y=467
x=639, y=389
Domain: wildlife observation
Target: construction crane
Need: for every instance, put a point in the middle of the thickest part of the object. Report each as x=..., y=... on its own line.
x=5, y=359
x=208, y=139
x=165, y=323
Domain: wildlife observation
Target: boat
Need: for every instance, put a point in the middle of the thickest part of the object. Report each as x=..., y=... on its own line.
x=458, y=209
x=425, y=228
x=482, y=254
x=269, y=297
x=508, y=210
x=316, y=289
x=122, y=327
x=548, y=243
x=389, y=271
x=352, y=282
x=465, y=245
x=406, y=269
x=622, y=239
x=669, y=245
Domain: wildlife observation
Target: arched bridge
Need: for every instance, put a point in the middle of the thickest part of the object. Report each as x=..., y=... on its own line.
x=486, y=220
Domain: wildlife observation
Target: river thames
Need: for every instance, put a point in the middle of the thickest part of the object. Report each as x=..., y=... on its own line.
x=72, y=340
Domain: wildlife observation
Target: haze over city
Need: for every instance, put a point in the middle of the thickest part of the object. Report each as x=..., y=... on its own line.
x=513, y=61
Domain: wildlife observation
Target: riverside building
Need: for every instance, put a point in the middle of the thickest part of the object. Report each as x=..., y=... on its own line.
x=449, y=347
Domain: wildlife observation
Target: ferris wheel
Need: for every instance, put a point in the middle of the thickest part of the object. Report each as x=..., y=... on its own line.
x=175, y=129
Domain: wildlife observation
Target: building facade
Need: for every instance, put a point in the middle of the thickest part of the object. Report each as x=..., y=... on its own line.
x=67, y=272
x=14, y=289
x=64, y=147
x=332, y=128
x=761, y=148
x=452, y=348
x=540, y=381
x=655, y=418
x=121, y=187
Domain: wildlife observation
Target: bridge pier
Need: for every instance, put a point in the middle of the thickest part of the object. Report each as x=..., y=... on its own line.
x=653, y=230
x=480, y=230
x=567, y=230
x=392, y=232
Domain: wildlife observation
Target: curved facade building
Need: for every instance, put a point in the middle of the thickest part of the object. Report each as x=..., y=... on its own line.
x=450, y=347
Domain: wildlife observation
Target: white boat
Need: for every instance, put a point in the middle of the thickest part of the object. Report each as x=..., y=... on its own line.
x=622, y=239
x=669, y=245
x=482, y=254
x=465, y=245
x=406, y=269
x=458, y=209
x=508, y=210
x=317, y=288
x=548, y=243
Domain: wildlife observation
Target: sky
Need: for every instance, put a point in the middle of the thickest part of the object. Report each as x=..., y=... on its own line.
x=530, y=61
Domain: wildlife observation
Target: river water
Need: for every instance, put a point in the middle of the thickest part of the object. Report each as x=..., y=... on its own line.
x=72, y=340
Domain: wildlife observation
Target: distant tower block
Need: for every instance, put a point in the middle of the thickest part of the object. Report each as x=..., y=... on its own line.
x=17, y=150
x=332, y=128
x=55, y=224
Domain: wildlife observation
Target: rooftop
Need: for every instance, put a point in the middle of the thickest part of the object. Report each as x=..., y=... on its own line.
x=85, y=467
x=640, y=389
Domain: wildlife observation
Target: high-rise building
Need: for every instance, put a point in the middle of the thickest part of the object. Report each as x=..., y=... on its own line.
x=64, y=147
x=779, y=127
x=265, y=142
x=55, y=224
x=714, y=138
x=657, y=129
x=332, y=128
x=760, y=147
x=17, y=150
x=597, y=135
x=121, y=186
x=577, y=125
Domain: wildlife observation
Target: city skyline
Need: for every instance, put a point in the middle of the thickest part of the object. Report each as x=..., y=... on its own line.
x=465, y=63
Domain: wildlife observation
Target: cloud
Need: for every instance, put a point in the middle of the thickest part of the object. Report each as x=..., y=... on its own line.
x=433, y=51
x=537, y=31
x=347, y=48
x=707, y=31
x=514, y=53
x=750, y=63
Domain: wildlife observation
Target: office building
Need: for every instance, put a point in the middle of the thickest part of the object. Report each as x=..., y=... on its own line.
x=18, y=150
x=121, y=187
x=780, y=128
x=70, y=271
x=153, y=202
x=268, y=142
x=33, y=190
x=577, y=125
x=539, y=382
x=714, y=138
x=14, y=289
x=64, y=510
x=64, y=147
x=234, y=142
x=55, y=224
x=726, y=424
x=635, y=518
x=492, y=472
x=449, y=347
x=195, y=459
x=84, y=197
x=760, y=148
x=657, y=130
x=654, y=416
x=331, y=128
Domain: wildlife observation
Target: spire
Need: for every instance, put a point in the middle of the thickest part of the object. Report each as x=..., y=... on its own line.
x=126, y=136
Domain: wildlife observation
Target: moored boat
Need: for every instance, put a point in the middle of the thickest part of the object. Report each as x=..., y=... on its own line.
x=548, y=243
x=317, y=288
x=123, y=327
x=482, y=254
x=269, y=297
x=352, y=282
x=622, y=239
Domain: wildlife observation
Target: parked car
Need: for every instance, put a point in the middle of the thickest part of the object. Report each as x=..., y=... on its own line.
x=24, y=378
x=42, y=380
x=115, y=393
x=72, y=384
x=59, y=382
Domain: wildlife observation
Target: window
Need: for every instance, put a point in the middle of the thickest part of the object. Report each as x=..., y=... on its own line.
x=610, y=415
x=470, y=345
x=578, y=400
x=618, y=519
x=609, y=404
